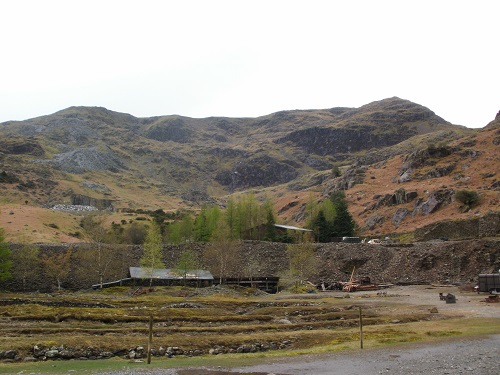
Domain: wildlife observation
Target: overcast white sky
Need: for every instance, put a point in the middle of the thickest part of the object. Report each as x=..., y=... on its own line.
x=241, y=58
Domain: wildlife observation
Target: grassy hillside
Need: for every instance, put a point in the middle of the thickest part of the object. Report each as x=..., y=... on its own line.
x=175, y=162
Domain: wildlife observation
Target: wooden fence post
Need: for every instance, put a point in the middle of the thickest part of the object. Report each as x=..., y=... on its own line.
x=360, y=328
x=150, y=338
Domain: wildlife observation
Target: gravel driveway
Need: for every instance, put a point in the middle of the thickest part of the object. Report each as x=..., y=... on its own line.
x=474, y=356
x=479, y=356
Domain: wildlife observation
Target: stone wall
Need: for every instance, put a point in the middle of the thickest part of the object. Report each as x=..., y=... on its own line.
x=480, y=227
x=426, y=262
x=489, y=225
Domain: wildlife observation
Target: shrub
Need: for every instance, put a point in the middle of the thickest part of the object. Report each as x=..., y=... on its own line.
x=7, y=178
x=468, y=198
x=336, y=171
x=442, y=149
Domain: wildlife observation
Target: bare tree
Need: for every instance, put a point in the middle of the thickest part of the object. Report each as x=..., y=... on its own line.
x=26, y=263
x=99, y=257
x=222, y=257
x=152, y=257
x=303, y=263
x=57, y=266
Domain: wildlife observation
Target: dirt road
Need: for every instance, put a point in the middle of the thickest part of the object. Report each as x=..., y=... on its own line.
x=478, y=356
x=474, y=356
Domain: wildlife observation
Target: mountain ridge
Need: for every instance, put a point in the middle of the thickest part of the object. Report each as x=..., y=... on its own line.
x=171, y=162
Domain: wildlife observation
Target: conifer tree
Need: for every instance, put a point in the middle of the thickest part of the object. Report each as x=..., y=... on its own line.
x=343, y=223
x=232, y=219
x=321, y=228
x=270, y=234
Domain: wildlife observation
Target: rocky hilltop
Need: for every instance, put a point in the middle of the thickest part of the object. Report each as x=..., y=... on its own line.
x=171, y=162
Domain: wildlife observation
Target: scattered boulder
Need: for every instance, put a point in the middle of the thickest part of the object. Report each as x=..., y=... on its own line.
x=354, y=175
x=399, y=216
x=440, y=171
x=53, y=353
x=373, y=221
x=8, y=354
x=434, y=202
x=400, y=196
x=406, y=176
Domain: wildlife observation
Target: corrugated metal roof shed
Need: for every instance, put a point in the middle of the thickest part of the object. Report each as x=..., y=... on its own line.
x=168, y=274
x=291, y=227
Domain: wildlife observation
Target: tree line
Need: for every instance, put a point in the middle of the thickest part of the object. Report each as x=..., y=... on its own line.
x=245, y=218
x=222, y=228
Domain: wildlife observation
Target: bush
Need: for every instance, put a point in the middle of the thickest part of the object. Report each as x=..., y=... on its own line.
x=440, y=150
x=336, y=171
x=7, y=178
x=468, y=198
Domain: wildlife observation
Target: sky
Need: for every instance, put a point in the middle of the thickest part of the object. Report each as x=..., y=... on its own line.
x=240, y=58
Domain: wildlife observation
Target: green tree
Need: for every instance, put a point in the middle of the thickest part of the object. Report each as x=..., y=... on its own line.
x=232, y=219
x=152, y=256
x=187, y=261
x=248, y=212
x=270, y=234
x=186, y=228
x=312, y=210
x=343, y=223
x=321, y=228
x=5, y=262
x=135, y=234
x=202, y=228
x=302, y=264
x=174, y=232
x=181, y=231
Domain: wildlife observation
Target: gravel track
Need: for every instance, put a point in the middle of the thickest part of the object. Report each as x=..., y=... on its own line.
x=475, y=356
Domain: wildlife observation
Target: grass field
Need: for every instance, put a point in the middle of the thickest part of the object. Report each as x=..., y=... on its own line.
x=241, y=326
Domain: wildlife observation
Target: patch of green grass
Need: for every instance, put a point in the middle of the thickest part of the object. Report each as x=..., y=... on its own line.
x=443, y=333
